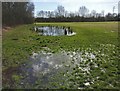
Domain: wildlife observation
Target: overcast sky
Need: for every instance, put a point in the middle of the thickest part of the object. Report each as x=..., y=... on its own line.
x=73, y=5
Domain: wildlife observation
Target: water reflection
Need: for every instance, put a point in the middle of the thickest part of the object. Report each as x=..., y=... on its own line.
x=54, y=30
x=46, y=64
x=43, y=66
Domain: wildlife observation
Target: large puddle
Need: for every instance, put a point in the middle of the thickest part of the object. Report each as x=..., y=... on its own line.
x=44, y=68
x=54, y=31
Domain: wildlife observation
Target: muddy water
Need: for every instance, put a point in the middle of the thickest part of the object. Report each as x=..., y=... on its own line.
x=44, y=68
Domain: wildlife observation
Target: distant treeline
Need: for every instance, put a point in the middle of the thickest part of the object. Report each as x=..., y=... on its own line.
x=82, y=15
x=15, y=13
x=77, y=19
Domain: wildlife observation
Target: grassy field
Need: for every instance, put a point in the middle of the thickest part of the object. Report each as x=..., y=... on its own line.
x=19, y=43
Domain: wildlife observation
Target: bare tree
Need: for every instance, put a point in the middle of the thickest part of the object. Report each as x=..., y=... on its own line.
x=72, y=14
x=113, y=9
x=56, y=13
x=52, y=14
x=61, y=11
x=102, y=13
x=93, y=13
x=48, y=14
x=66, y=14
x=40, y=13
x=83, y=11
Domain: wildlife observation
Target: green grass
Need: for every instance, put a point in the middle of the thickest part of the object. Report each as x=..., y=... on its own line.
x=20, y=42
x=95, y=37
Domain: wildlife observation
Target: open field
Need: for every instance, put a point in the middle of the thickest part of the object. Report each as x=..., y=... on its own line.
x=99, y=38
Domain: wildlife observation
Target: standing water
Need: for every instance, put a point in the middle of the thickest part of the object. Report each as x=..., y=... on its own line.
x=54, y=31
x=45, y=69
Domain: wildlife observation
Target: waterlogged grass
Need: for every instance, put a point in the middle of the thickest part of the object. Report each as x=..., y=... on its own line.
x=94, y=69
x=99, y=38
x=98, y=72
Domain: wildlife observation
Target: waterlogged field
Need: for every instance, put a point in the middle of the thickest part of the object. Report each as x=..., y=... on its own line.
x=88, y=59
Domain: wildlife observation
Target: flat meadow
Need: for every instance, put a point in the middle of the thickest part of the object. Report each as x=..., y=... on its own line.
x=93, y=51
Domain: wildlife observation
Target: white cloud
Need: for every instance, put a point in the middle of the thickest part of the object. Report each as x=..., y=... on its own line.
x=99, y=5
x=73, y=5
